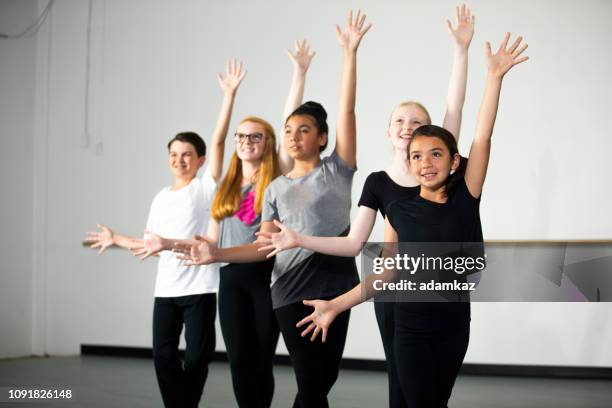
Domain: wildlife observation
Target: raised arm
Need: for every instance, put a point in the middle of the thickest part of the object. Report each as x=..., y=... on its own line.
x=462, y=36
x=234, y=74
x=498, y=65
x=301, y=59
x=346, y=133
x=285, y=238
x=106, y=238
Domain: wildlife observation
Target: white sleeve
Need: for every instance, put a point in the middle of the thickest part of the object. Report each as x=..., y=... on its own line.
x=209, y=186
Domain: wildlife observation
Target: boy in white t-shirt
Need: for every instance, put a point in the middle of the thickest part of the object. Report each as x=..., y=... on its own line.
x=184, y=295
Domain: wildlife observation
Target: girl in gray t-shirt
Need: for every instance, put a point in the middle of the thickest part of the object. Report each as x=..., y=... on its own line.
x=313, y=197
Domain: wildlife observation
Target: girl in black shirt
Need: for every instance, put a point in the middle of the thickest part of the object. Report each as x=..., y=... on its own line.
x=431, y=339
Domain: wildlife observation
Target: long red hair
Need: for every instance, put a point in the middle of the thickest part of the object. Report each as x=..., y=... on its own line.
x=229, y=195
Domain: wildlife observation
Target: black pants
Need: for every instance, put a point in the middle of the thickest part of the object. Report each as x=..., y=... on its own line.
x=386, y=325
x=316, y=364
x=181, y=384
x=429, y=351
x=250, y=330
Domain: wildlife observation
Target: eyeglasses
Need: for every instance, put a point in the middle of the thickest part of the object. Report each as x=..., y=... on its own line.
x=253, y=137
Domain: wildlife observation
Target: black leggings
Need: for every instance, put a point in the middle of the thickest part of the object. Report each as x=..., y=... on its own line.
x=385, y=312
x=316, y=364
x=249, y=330
x=428, y=357
x=181, y=385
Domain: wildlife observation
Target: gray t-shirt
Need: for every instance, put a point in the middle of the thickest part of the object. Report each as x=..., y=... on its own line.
x=240, y=228
x=317, y=204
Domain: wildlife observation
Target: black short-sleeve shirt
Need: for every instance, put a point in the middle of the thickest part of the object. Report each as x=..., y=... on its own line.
x=421, y=220
x=380, y=190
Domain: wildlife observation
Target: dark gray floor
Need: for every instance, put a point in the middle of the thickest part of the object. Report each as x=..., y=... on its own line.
x=108, y=382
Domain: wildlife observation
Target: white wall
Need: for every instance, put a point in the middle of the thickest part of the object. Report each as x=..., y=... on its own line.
x=153, y=74
x=17, y=90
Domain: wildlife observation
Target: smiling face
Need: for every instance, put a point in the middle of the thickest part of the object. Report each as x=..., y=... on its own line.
x=183, y=160
x=302, y=138
x=431, y=161
x=250, y=141
x=404, y=120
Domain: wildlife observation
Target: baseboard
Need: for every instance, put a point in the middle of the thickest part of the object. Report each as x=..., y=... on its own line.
x=380, y=365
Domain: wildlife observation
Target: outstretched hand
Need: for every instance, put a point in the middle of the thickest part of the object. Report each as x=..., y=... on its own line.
x=319, y=320
x=196, y=252
x=464, y=31
x=286, y=238
x=351, y=36
x=151, y=245
x=302, y=56
x=100, y=239
x=234, y=74
x=505, y=58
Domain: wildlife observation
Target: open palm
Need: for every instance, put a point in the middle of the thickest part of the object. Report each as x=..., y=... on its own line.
x=351, y=36
x=279, y=241
x=196, y=252
x=464, y=31
x=505, y=58
x=151, y=245
x=234, y=74
x=319, y=320
x=101, y=239
x=302, y=56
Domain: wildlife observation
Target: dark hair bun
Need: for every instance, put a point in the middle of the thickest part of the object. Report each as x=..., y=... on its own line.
x=316, y=108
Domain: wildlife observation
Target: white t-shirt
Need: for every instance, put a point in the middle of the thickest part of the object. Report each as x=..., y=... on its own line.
x=181, y=214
